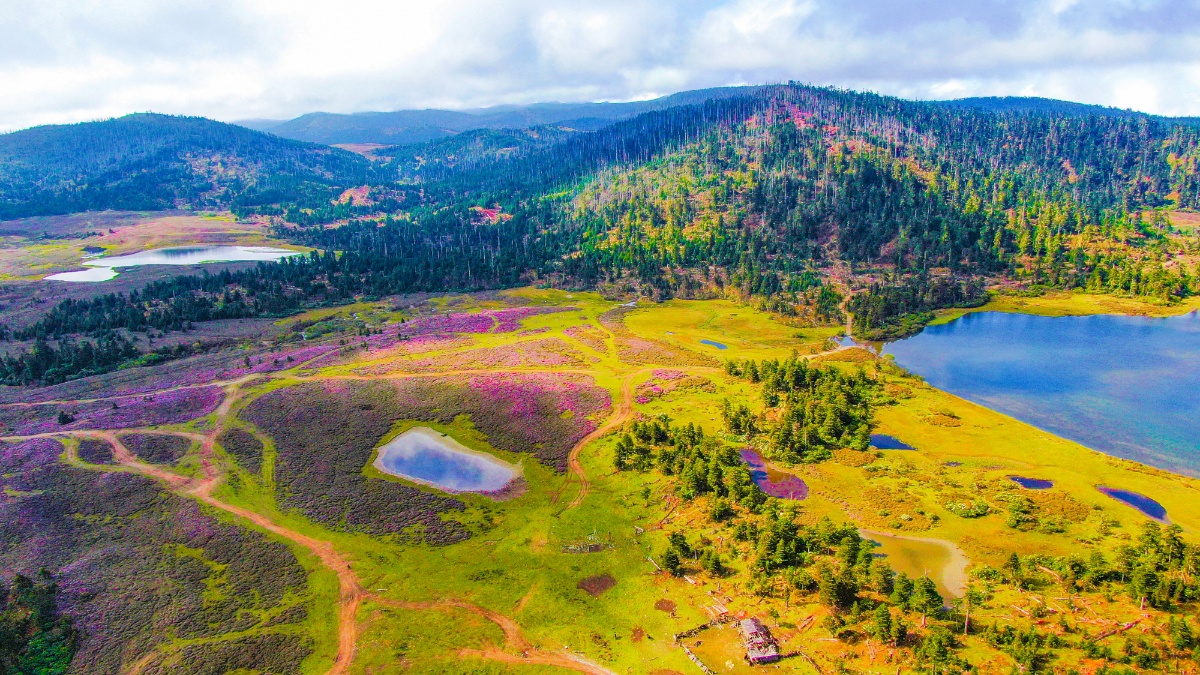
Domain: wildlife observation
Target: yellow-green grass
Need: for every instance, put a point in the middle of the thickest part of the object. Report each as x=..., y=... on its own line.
x=1059, y=303
x=514, y=564
x=746, y=332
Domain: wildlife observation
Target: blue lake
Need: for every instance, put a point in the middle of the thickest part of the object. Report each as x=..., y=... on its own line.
x=710, y=343
x=105, y=268
x=1122, y=385
x=423, y=455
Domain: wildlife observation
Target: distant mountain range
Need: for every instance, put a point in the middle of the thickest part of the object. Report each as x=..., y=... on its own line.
x=407, y=127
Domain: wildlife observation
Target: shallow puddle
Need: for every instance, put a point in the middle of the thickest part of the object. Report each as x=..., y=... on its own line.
x=1138, y=501
x=944, y=562
x=1032, y=483
x=425, y=456
x=885, y=442
x=774, y=483
x=710, y=343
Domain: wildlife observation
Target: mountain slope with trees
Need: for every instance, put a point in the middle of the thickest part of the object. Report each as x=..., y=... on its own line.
x=790, y=197
x=155, y=162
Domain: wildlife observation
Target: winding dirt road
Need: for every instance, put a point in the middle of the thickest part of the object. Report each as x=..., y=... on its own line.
x=351, y=591
x=517, y=649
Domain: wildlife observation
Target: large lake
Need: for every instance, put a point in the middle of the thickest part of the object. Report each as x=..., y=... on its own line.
x=1123, y=385
x=105, y=268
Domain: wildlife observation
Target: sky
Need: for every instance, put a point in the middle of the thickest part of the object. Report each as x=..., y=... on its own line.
x=77, y=60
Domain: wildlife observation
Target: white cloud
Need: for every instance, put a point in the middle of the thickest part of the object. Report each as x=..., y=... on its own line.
x=70, y=60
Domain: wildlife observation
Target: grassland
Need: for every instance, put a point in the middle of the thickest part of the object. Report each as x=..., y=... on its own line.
x=506, y=596
x=1061, y=303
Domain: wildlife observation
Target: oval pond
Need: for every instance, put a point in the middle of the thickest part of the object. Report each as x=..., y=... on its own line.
x=425, y=456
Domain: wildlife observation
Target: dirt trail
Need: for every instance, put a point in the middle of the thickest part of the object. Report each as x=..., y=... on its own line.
x=621, y=415
x=351, y=591
x=219, y=383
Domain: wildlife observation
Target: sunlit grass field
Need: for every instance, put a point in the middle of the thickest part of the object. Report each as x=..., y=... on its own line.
x=509, y=598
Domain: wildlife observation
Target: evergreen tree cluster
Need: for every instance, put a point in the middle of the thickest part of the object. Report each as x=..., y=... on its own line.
x=820, y=409
x=899, y=307
x=703, y=463
x=35, y=638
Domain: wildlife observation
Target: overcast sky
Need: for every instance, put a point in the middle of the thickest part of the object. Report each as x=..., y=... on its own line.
x=73, y=60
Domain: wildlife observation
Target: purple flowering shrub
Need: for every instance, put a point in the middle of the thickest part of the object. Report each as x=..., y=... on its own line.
x=545, y=353
x=156, y=448
x=324, y=434
x=244, y=447
x=641, y=351
x=132, y=560
x=144, y=410
x=320, y=455
x=270, y=653
x=588, y=335
x=95, y=451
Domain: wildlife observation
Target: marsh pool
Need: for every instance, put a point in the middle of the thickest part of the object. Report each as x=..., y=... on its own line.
x=944, y=562
x=1119, y=384
x=425, y=456
x=105, y=268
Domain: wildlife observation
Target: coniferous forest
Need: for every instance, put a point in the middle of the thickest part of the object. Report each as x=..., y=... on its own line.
x=812, y=202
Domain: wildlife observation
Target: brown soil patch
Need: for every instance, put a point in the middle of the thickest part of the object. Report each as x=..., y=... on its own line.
x=665, y=605
x=596, y=585
x=638, y=634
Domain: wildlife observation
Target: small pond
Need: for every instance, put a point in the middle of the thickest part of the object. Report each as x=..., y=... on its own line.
x=710, y=343
x=1032, y=483
x=105, y=268
x=425, y=456
x=944, y=562
x=774, y=483
x=885, y=442
x=1138, y=501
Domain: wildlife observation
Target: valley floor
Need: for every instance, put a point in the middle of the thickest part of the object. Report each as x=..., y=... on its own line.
x=505, y=588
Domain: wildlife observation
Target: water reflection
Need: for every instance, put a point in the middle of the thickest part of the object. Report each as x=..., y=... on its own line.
x=103, y=269
x=423, y=455
x=1122, y=385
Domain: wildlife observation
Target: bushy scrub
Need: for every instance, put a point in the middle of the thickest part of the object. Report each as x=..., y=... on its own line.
x=276, y=654
x=156, y=448
x=134, y=564
x=95, y=451
x=244, y=447
x=171, y=407
x=320, y=457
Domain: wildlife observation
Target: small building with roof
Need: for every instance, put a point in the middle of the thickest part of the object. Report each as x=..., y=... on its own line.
x=760, y=645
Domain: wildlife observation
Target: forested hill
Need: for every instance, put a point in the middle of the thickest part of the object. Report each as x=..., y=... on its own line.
x=1035, y=104
x=789, y=197
x=149, y=162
